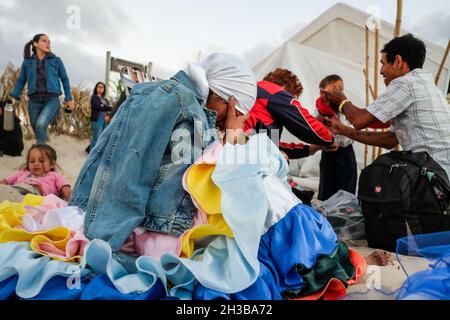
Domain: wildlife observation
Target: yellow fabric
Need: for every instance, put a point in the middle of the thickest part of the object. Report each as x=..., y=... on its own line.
x=203, y=189
x=11, y=213
x=11, y=217
x=207, y=195
x=57, y=236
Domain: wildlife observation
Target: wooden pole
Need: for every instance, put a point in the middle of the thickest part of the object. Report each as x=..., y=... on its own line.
x=441, y=67
x=107, y=72
x=375, y=74
x=371, y=92
x=397, y=32
x=366, y=73
x=398, y=21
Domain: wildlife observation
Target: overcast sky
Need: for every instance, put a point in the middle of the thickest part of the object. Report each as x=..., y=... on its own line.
x=171, y=32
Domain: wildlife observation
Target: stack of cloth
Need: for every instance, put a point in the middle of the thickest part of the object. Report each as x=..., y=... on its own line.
x=251, y=239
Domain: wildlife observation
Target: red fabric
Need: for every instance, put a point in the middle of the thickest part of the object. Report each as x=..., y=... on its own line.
x=292, y=146
x=259, y=112
x=380, y=125
x=359, y=263
x=317, y=127
x=270, y=87
x=334, y=290
x=324, y=108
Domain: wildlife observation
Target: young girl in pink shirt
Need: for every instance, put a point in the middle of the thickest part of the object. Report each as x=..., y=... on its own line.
x=39, y=176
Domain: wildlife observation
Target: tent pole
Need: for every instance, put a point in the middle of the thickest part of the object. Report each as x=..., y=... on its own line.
x=366, y=73
x=441, y=67
x=398, y=21
x=398, y=29
x=375, y=73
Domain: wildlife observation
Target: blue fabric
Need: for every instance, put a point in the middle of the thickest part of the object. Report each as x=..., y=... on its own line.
x=57, y=289
x=33, y=270
x=97, y=128
x=133, y=175
x=431, y=284
x=98, y=257
x=42, y=110
x=55, y=72
x=299, y=239
x=8, y=288
x=101, y=288
x=264, y=288
x=280, y=251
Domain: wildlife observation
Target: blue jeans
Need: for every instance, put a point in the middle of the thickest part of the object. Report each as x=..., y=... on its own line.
x=42, y=111
x=97, y=129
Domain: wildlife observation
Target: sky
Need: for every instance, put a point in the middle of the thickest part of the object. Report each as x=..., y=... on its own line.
x=169, y=33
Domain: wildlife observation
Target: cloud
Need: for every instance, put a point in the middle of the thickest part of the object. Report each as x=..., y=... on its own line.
x=82, y=49
x=434, y=27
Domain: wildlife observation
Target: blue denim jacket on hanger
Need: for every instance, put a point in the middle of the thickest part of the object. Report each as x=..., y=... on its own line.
x=130, y=178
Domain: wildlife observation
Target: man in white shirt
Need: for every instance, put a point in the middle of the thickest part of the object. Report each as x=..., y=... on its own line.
x=417, y=109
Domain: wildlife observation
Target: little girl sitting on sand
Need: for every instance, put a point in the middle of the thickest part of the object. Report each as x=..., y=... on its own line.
x=37, y=176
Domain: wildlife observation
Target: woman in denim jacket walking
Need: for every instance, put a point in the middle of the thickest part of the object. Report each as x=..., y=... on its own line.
x=43, y=72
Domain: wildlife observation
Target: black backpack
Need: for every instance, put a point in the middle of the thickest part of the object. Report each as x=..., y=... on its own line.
x=399, y=188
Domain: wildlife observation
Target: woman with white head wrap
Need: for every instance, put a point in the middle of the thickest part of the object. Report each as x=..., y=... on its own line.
x=225, y=82
x=226, y=75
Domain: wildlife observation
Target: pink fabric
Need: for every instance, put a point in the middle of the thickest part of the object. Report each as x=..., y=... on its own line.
x=50, y=202
x=51, y=183
x=74, y=247
x=154, y=244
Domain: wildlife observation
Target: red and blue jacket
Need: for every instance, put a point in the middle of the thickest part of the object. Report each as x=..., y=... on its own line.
x=276, y=108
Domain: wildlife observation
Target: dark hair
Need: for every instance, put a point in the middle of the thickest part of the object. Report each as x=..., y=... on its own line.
x=411, y=49
x=29, y=47
x=286, y=79
x=43, y=148
x=95, y=89
x=329, y=79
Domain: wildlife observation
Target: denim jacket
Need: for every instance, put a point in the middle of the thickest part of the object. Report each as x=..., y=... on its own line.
x=55, y=71
x=129, y=178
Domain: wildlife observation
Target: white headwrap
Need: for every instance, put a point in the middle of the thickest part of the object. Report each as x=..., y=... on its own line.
x=226, y=75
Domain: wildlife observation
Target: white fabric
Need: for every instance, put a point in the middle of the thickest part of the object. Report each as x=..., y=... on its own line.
x=281, y=200
x=226, y=75
x=69, y=217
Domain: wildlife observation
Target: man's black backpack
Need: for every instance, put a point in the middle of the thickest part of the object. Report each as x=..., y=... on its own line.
x=402, y=188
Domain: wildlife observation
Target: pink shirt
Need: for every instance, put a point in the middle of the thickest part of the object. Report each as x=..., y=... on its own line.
x=51, y=183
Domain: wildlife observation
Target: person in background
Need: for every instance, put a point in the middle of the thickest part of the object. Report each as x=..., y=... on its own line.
x=417, y=109
x=338, y=169
x=100, y=107
x=276, y=108
x=42, y=71
x=38, y=175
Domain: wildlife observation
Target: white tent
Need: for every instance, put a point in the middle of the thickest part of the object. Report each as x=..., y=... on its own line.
x=335, y=43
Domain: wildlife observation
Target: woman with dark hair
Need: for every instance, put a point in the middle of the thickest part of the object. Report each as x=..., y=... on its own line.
x=42, y=71
x=100, y=108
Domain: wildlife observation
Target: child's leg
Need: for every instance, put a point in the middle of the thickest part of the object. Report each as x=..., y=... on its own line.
x=10, y=194
x=346, y=169
x=327, y=184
